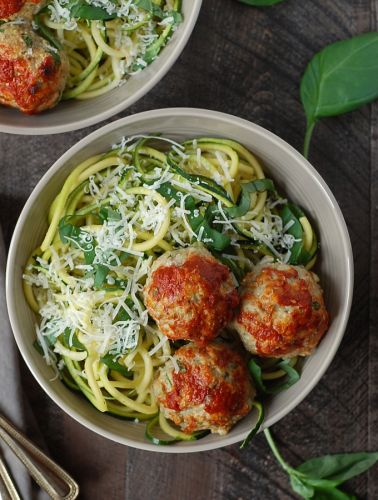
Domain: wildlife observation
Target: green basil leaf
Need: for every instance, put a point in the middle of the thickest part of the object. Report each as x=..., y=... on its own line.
x=300, y=487
x=291, y=213
x=50, y=341
x=71, y=234
x=107, y=213
x=216, y=240
x=47, y=34
x=256, y=372
x=273, y=388
x=318, y=483
x=72, y=340
x=169, y=192
x=210, y=237
x=79, y=9
x=147, y=5
x=254, y=431
x=244, y=205
x=110, y=361
x=123, y=315
x=231, y=264
x=339, y=467
x=261, y=3
x=157, y=11
x=332, y=494
x=37, y=346
x=292, y=376
x=205, y=183
x=340, y=78
x=102, y=272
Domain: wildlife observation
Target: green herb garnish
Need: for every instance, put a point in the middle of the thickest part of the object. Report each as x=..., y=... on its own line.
x=340, y=78
x=320, y=477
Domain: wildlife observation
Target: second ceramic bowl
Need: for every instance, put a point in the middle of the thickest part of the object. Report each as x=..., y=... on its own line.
x=76, y=114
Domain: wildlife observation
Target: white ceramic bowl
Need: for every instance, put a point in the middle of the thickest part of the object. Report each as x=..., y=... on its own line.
x=76, y=114
x=295, y=176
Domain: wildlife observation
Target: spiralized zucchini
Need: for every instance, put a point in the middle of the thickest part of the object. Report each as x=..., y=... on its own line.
x=114, y=215
x=107, y=41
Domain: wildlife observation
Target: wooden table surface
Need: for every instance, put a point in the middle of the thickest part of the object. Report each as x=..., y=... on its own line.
x=247, y=62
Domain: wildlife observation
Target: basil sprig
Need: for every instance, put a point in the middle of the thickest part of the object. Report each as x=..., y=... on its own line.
x=292, y=376
x=111, y=362
x=81, y=9
x=340, y=78
x=70, y=340
x=319, y=478
x=261, y=414
x=213, y=238
x=48, y=35
x=291, y=215
x=244, y=202
x=71, y=234
x=158, y=12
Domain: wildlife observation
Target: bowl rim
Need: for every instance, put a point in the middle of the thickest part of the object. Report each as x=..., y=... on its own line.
x=128, y=122
x=124, y=104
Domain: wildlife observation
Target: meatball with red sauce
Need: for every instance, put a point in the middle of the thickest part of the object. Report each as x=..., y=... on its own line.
x=32, y=73
x=205, y=387
x=10, y=9
x=282, y=312
x=190, y=295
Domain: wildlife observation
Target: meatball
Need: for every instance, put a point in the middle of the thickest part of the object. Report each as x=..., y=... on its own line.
x=282, y=311
x=190, y=295
x=211, y=389
x=10, y=9
x=32, y=73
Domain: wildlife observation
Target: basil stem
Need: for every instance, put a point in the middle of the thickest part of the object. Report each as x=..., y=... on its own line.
x=320, y=477
x=260, y=408
x=276, y=453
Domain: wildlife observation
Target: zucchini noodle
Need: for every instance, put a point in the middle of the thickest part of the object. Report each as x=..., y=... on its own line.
x=107, y=41
x=114, y=215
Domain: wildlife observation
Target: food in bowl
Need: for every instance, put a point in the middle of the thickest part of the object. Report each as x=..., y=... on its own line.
x=157, y=230
x=282, y=311
x=24, y=9
x=32, y=76
x=96, y=45
x=211, y=391
x=190, y=295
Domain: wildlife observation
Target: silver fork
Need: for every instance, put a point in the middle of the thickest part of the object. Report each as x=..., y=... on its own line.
x=8, y=490
x=49, y=475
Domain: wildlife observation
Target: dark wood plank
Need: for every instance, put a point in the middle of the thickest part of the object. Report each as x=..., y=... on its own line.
x=247, y=62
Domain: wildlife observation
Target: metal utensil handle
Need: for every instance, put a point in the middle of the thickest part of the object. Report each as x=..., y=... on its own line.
x=11, y=436
x=10, y=489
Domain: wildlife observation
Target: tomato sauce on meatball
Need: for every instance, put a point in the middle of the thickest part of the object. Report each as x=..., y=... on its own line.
x=32, y=73
x=190, y=295
x=282, y=312
x=22, y=8
x=212, y=389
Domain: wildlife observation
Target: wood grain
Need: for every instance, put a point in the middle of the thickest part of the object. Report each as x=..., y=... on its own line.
x=247, y=62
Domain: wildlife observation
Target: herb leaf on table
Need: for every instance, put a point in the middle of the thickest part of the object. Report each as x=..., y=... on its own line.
x=320, y=477
x=340, y=78
x=339, y=467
